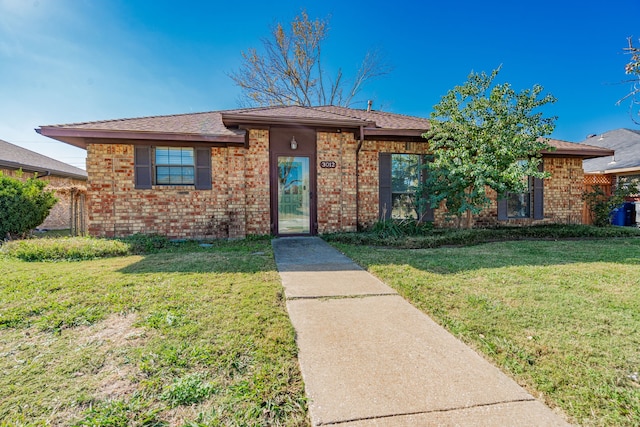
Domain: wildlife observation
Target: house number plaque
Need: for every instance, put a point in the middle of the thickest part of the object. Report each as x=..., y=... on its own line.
x=328, y=164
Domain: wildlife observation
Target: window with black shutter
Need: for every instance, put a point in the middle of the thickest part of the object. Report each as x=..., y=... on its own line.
x=528, y=204
x=172, y=166
x=400, y=178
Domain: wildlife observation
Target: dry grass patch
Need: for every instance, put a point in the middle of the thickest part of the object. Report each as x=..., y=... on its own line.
x=198, y=336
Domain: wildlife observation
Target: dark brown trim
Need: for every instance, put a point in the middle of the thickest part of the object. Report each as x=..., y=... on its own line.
x=385, y=197
x=584, y=153
x=164, y=143
x=307, y=147
x=78, y=137
x=238, y=119
x=374, y=132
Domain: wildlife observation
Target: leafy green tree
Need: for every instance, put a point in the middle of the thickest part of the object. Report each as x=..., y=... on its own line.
x=291, y=70
x=23, y=205
x=633, y=69
x=480, y=132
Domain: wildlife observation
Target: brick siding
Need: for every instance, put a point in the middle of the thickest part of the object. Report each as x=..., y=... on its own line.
x=239, y=202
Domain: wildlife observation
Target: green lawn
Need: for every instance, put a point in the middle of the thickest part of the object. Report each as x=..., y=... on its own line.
x=561, y=317
x=198, y=336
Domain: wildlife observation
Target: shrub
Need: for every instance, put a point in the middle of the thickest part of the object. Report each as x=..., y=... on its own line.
x=600, y=204
x=466, y=237
x=65, y=249
x=23, y=205
x=401, y=227
x=146, y=243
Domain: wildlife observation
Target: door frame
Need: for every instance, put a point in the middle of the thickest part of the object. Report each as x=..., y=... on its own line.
x=280, y=146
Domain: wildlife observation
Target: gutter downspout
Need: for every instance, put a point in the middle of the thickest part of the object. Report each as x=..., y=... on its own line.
x=46, y=173
x=360, y=142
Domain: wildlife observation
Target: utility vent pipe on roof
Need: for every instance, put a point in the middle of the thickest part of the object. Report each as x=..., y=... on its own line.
x=369, y=104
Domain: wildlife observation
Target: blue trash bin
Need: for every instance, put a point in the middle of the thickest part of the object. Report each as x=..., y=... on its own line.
x=617, y=216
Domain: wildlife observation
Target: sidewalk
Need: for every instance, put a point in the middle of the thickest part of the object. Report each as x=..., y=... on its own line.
x=369, y=358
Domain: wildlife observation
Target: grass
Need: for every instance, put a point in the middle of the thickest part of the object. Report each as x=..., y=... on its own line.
x=185, y=336
x=561, y=317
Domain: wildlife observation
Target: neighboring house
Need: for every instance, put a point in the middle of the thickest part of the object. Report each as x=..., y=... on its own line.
x=625, y=162
x=283, y=171
x=68, y=182
x=605, y=171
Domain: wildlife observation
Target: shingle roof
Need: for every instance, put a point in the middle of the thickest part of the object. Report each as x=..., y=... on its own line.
x=15, y=157
x=625, y=142
x=223, y=126
x=214, y=125
x=209, y=123
x=381, y=119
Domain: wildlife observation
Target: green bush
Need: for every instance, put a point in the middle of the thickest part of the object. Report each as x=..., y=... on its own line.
x=401, y=227
x=146, y=243
x=437, y=237
x=23, y=205
x=600, y=204
x=64, y=249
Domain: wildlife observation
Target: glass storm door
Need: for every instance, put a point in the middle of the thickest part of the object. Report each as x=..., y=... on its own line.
x=293, y=195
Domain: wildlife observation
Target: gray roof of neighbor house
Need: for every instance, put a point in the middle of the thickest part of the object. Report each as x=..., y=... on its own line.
x=228, y=127
x=625, y=143
x=15, y=157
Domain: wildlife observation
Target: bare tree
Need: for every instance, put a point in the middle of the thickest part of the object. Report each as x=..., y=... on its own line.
x=633, y=69
x=290, y=71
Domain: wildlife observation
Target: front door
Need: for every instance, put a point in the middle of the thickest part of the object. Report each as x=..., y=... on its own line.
x=294, y=191
x=293, y=180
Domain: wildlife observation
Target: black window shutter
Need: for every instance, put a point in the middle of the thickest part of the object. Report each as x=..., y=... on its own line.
x=429, y=213
x=538, y=195
x=142, y=167
x=203, y=168
x=384, y=185
x=502, y=209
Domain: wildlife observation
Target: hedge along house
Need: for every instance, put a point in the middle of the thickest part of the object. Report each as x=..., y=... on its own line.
x=283, y=171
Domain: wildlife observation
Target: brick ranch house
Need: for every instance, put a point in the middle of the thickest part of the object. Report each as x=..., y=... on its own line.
x=68, y=182
x=282, y=171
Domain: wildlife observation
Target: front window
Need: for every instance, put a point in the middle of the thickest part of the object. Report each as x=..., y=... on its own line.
x=174, y=166
x=519, y=204
x=405, y=179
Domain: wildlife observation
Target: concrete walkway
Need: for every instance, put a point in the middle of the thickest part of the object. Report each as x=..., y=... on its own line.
x=369, y=358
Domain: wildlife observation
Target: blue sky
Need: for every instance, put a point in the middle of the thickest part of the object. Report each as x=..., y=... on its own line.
x=66, y=61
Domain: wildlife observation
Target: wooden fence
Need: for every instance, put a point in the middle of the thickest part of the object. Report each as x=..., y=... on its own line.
x=590, y=181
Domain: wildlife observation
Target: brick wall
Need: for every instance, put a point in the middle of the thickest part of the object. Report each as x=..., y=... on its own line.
x=59, y=217
x=562, y=191
x=237, y=204
x=336, y=186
